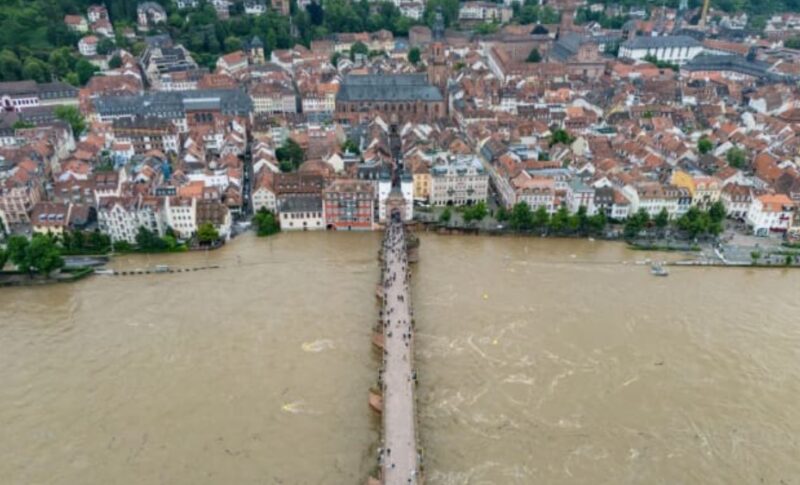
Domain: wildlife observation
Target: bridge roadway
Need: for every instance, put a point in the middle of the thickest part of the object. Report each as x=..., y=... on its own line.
x=399, y=456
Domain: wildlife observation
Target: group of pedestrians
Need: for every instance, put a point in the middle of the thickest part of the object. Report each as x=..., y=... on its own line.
x=396, y=318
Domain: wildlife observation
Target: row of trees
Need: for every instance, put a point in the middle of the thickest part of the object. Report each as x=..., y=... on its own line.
x=583, y=16
x=522, y=218
x=80, y=242
x=148, y=241
x=471, y=213
x=661, y=64
x=207, y=37
x=694, y=223
x=530, y=12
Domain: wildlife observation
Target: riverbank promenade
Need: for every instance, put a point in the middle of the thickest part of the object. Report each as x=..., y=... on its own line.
x=400, y=462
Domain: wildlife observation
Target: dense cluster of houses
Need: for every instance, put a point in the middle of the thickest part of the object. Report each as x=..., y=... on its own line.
x=658, y=115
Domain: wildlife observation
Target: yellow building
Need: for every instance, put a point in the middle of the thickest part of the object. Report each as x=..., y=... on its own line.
x=422, y=185
x=707, y=191
x=421, y=173
x=684, y=180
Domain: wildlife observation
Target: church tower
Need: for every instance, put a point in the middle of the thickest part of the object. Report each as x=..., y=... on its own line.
x=255, y=51
x=437, y=63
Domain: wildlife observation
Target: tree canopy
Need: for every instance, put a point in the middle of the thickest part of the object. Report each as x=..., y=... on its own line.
x=266, y=223
x=207, y=233
x=530, y=12
x=561, y=136
x=736, y=157
x=290, y=155
x=73, y=117
x=704, y=145
x=561, y=223
x=414, y=55
x=37, y=255
x=476, y=212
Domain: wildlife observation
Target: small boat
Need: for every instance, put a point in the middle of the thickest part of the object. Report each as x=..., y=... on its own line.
x=162, y=268
x=104, y=271
x=657, y=269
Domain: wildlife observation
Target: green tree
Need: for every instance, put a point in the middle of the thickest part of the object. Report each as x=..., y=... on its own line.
x=115, y=62
x=549, y=15
x=534, y=56
x=636, y=223
x=21, y=125
x=149, y=241
x=290, y=155
x=502, y=214
x=717, y=212
x=44, y=255
x=704, y=145
x=266, y=223
x=540, y=218
x=526, y=14
x=85, y=70
x=105, y=46
x=122, y=247
x=73, y=117
x=792, y=43
x=662, y=219
x=40, y=254
x=661, y=64
x=3, y=258
x=207, y=233
x=10, y=66
x=700, y=223
x=597, y=223
x=449, y=10
x=561, y=136
x=445, y=216
x=580, y=221
x=62, y=61
x=138, y=48
x=98, y=242
x=351, y=146
x=358, y=48
x=36, y=70
x=486, y=28
x=521, y=218
x=475, y=212
x=233, y=44
x=559, y=223
x=414, y=55
x=736, y=157
x=72, y=79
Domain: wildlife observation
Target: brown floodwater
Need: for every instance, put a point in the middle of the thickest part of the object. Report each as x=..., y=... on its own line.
x=540, y=361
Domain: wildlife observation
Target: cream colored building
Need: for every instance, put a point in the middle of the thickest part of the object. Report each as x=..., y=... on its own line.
x=458, y=180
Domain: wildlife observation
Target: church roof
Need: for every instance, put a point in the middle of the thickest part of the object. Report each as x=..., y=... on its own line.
x=396, y=87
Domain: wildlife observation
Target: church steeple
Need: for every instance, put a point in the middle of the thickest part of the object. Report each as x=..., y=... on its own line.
x=438, y=25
